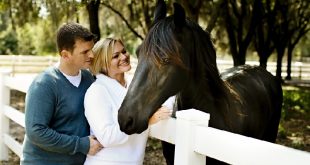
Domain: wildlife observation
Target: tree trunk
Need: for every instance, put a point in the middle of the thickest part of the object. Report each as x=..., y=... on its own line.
x=241, y=57
x=280, y=52
x=214, y=16
x=93, y=9
x=147, y=17
x=289, y=63
x=263, y=60
x=11, y=16
x=192, y=8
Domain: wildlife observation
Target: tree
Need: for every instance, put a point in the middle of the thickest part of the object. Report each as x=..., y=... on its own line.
x=192, y=8
x=132, y=14
x=25, y=40
x=240, y=19
x=4, y=16
x=280, y=37
x=214, y=15
x=137, y=15
x=60, y=11
x=264, y=30
x=21, y=11
x=299, y=17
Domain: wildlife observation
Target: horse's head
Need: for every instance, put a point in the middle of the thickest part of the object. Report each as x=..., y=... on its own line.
x=163, y=68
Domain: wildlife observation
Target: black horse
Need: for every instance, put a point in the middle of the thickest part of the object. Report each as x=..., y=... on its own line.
x=178, y=58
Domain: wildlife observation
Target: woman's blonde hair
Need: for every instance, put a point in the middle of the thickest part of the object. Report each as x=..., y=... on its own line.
x=103, y=52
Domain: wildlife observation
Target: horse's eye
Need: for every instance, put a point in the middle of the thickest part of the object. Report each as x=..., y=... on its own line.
x=165, y=61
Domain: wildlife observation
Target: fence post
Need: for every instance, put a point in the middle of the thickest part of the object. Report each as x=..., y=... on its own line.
x=13, y=64
x=184, y=138
x=299, y=65
x=4, y=121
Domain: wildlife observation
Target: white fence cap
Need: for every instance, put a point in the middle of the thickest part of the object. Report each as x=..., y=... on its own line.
x=192, y=115
x=5, y=70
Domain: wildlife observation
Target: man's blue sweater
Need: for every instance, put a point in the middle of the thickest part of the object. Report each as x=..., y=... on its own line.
x=56, y=128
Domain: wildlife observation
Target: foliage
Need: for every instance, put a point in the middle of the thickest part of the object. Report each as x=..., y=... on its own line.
x=45, y=38
x=131, y=20
x=296, y=101
x=304, y=50
x=25, y=38
x=21, y=11
x=8, y=42
x=30, y=39
x=4, y=17
x=294, y=125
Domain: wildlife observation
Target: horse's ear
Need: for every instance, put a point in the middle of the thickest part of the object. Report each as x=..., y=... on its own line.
x=179, y=15
x=160, y=10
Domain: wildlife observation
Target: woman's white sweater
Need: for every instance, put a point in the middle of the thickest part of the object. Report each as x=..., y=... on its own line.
x=102, y=101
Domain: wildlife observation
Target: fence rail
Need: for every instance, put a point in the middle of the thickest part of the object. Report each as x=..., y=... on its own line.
x=299, y=70
x=26, y=63
x=190, y=133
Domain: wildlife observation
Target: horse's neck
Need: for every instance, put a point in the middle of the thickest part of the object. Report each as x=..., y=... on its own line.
x=201, y=98
x=197, y=96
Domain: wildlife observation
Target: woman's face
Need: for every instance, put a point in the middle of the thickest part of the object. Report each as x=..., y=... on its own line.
x=120, y=62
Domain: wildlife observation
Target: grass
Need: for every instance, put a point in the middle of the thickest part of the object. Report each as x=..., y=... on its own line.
x=294, y=129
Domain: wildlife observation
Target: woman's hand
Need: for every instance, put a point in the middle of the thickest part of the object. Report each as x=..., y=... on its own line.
x=94, y=145
x=161, y=114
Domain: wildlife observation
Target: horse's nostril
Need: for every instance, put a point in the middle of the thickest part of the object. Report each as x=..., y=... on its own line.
x=129, y=123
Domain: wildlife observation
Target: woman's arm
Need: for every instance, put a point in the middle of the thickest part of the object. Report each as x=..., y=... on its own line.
x=101, y=117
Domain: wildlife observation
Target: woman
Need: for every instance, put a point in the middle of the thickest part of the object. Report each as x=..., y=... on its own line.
x=102, y=101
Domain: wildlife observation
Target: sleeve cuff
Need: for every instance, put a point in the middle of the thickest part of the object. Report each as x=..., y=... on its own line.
x=84, y=145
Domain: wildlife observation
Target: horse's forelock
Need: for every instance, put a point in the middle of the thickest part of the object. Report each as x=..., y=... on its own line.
x=161, y=43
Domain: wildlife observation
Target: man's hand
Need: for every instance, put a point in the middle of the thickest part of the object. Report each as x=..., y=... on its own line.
x=94, y=146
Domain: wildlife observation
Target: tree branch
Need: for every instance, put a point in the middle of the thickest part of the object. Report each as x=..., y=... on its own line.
x=123, y=18
x=214, y=16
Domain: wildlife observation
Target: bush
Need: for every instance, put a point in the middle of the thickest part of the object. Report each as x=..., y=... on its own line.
x=8, y=42
x=295, y=100
x=26, y=36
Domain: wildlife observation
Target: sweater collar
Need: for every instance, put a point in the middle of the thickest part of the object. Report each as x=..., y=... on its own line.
x=113, y=85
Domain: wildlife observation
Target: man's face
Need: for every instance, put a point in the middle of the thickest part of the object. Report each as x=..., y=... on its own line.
x=82, y=54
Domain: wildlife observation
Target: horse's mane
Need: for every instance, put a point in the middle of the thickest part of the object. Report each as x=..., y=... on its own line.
x=205, y=60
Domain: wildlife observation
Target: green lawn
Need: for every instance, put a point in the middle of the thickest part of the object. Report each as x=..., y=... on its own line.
x=294, y=129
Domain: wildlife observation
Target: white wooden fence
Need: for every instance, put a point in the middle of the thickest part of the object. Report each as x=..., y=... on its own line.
x=189, y=132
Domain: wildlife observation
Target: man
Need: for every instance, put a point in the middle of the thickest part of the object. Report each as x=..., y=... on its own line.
x=57, y=132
